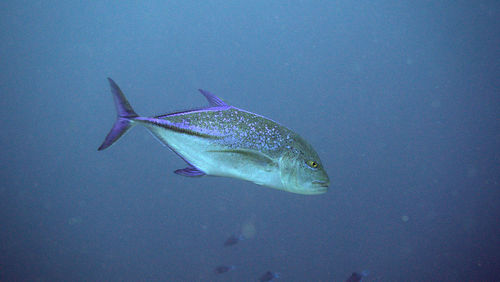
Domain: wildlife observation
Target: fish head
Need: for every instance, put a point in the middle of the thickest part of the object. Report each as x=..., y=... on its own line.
x=302, y=171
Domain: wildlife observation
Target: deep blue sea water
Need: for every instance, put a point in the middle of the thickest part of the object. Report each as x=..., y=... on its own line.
x=401, y=99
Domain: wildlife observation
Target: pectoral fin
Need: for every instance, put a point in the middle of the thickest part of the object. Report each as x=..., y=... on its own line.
x=249, y=156
x=190, y=171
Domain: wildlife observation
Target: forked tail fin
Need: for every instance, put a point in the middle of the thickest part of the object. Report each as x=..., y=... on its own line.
x=125, y=116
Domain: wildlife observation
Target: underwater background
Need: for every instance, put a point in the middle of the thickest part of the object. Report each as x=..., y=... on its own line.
x=401, y=99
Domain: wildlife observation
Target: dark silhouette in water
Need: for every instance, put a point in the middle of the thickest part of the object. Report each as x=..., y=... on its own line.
x=269, y=276
x=233, y=240
x=224, y=268
x=356, y=277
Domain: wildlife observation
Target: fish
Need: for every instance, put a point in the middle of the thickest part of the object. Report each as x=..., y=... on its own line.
x=233, y=240
x=357, y=277
x=224, y=268
x=269, y=276
x=223, y=140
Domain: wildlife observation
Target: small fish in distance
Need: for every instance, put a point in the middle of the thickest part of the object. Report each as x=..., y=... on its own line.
x=269, y=276
x=224, y=268
x=233, y=240
x=222, y=140
x=357, y=277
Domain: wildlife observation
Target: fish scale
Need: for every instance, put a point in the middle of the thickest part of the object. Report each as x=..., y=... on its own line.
x=238, y=129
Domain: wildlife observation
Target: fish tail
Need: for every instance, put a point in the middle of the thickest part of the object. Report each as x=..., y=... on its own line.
x=125, y=116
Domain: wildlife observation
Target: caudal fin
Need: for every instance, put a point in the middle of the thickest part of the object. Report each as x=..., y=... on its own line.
x=125, y=116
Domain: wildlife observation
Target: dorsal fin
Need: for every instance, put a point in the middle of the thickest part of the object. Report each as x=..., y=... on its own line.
x=213, y=100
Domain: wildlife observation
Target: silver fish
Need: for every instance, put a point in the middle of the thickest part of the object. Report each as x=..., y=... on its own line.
x=222, y=140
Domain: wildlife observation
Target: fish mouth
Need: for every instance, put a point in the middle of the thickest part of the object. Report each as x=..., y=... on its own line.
x=323, y=184
x=320, y=187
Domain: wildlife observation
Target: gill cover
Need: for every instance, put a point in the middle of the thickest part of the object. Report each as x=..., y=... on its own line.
x=288, y=170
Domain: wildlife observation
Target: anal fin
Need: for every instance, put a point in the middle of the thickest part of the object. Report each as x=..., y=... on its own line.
x=190, y=171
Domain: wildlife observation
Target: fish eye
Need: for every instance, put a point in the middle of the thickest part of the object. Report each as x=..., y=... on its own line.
x=312, y=164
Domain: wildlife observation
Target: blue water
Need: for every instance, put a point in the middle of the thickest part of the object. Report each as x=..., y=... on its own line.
x=401, y=99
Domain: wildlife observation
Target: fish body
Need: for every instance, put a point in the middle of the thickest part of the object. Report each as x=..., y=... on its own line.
x=357, y=277
x=224, y=268
x=233, y=240
x=222, y=140
x=269, y=276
